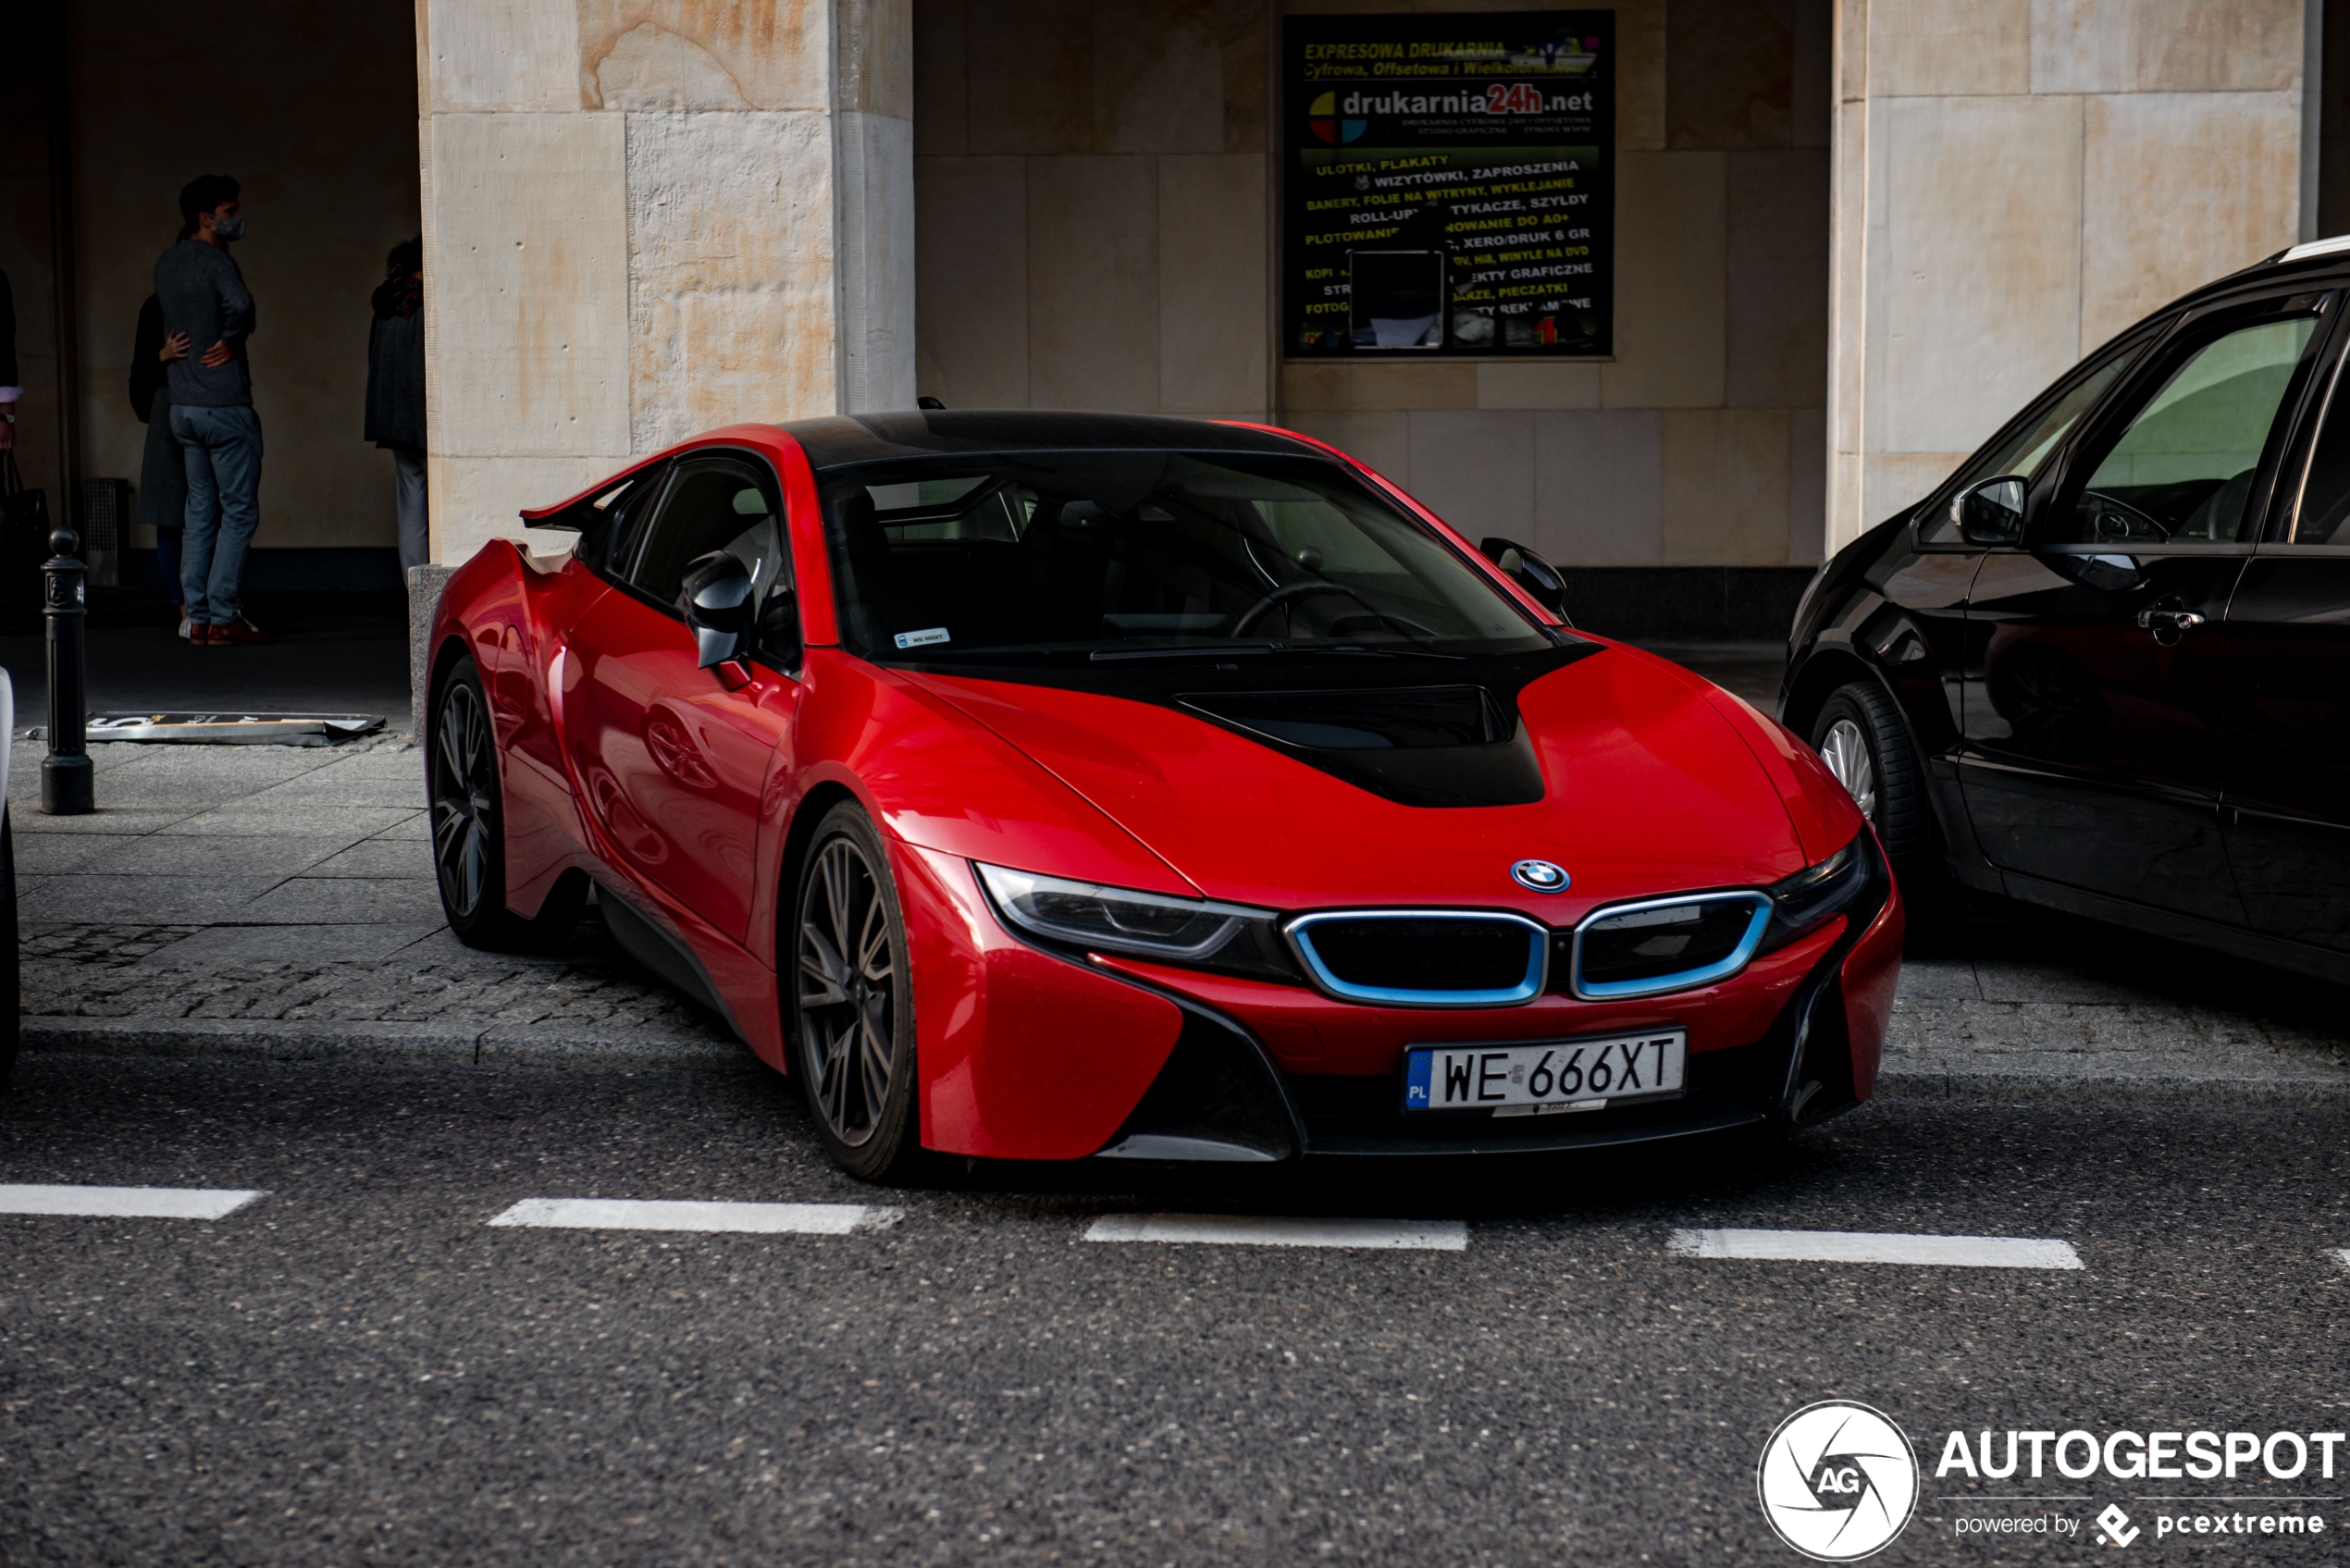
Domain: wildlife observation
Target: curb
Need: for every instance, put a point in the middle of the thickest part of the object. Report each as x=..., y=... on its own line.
x=310, y=1040
x=297, y=1040
x=2152, y=1088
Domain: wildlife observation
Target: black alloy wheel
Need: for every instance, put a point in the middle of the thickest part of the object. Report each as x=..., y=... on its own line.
x=1861, y=736
x=468, y=817
x=852, y=1000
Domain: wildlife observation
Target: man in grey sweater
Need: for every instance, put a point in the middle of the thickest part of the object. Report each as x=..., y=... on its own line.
x=211, y=417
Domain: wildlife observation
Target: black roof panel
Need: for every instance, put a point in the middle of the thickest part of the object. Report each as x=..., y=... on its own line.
x=841, y=440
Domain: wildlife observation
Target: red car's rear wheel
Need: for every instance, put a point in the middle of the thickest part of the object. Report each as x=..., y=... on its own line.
x=852, y=1007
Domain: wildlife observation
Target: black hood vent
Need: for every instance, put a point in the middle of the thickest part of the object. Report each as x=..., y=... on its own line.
x=1418, y=745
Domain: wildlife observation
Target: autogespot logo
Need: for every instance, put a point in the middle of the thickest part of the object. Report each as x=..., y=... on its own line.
x=1838, y=1481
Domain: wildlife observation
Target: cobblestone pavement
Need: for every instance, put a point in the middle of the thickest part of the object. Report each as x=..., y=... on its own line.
x=290, y=888
x=278, y=901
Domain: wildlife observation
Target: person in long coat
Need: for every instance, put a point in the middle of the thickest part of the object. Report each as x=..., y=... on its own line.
x=396, y=392
x=163, y=471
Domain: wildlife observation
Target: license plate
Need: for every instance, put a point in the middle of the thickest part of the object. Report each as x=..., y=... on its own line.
x=1546, y=1078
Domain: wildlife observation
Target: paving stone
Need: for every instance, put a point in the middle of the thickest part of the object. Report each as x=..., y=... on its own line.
x=116, y=898
x=249, y=818
x=188, y=855
x=378, y=857
x=345, y=900
x=26, y=817
x=205, y=947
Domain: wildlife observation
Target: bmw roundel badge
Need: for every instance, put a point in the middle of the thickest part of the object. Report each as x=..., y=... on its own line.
x=1538, y=875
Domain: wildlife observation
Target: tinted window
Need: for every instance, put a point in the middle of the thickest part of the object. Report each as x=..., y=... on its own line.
x=2027, y=449
x=2184, y=466
x=1061, y=553
x=612, y=531
x=717, y=503
x=2325, y=493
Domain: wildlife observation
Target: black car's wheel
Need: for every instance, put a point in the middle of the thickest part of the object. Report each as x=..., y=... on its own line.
x=468, y=816
x=852, y=1010
x=1859, y=736
x=11, y=980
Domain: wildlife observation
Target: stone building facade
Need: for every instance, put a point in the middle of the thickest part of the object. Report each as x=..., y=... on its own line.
x=1850, y=237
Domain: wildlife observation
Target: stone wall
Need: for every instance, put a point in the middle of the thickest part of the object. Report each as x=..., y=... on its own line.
x=648, y=218
x=1093, y=212
x=2018, y=180
x=1090, y=187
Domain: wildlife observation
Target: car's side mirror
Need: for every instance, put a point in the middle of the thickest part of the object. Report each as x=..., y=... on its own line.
x=715, y=601
x=1991, y=512
x=1543, y=581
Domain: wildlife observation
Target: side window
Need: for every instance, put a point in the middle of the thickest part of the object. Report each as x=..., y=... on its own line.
x=611, y=533
x=2183, y=467
x=2027, y=449
x=726, y=503
x=2324, y=516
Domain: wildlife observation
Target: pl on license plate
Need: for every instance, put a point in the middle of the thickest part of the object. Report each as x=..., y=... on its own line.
x=1547, y=1077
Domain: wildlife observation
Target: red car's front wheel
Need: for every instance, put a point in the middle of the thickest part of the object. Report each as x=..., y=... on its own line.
x=852, y=1000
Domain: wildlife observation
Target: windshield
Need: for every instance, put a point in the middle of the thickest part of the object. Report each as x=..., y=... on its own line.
x=1145, y=554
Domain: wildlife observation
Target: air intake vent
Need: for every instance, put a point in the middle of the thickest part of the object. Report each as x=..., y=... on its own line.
x=1427, y=958
x=1667, y=944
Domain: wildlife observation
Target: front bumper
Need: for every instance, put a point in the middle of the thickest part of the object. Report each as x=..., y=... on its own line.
x=1154, y=1063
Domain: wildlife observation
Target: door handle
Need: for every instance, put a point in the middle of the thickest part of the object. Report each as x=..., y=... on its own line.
x=2165, y=624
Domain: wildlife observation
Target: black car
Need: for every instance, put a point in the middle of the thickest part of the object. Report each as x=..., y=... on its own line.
x=2105, y=667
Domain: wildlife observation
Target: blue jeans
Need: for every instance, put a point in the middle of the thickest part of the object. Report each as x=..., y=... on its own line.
x=222, y=448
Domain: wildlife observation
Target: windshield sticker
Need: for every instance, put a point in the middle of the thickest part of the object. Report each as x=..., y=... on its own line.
x=923, y=639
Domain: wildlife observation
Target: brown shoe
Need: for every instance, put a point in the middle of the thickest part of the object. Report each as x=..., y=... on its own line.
x=239, y=630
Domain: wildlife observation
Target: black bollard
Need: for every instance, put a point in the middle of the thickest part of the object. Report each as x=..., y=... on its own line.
x=65, y=773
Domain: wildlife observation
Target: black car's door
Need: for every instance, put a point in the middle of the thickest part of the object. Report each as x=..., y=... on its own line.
x=2093, y=754
x=2286, y=729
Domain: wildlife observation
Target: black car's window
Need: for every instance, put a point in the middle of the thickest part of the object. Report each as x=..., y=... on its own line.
x=2027, y=449
x=727, y=503
x=2184, y=466
x=1126, y=552
x=2324, y=516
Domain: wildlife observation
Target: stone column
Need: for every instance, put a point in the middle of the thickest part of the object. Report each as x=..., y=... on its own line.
x=2017, y=180
x=643, y=218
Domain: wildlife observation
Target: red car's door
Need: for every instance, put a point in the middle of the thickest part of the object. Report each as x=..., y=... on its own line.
x=671, y=758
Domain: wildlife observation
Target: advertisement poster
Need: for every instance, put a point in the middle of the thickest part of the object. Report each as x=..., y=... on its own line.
x=1449, y=184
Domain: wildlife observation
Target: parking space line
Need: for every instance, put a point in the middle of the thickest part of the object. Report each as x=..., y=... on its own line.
x=1865, y=1246
x=126, y=1203
x=1256, y=1230
x=623, y=1213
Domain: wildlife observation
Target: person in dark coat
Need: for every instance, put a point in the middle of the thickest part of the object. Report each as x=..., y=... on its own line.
x=396, y=392
x=163, y=473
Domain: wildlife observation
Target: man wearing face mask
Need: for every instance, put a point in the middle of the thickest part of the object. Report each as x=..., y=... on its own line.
x=204, y=296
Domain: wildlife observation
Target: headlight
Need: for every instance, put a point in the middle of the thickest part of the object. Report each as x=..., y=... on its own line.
x=1817, y=893
x=1146, y=925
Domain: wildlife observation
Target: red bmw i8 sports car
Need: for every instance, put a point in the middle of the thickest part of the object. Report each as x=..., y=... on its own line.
x=1046, y=786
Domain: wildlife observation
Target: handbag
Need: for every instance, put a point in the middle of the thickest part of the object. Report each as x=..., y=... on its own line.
x=24, y=546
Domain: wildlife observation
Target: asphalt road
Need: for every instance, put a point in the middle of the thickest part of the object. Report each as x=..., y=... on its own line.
x=356, y=1367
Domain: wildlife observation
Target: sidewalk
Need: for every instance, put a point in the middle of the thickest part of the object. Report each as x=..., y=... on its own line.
x=277, y=902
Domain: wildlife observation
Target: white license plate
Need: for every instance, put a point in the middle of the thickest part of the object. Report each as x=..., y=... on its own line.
x=1548, y=1077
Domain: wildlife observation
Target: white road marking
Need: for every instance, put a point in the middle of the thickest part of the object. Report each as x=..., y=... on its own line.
x=624, y=1213
x=126, y=1203
x=1865, y=1246
x=1256, y=1230
x=2342, y=1256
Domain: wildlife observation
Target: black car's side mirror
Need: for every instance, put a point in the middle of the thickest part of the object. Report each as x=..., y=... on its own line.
x=1991, y=512
x=715, y=601
x=1543, y=582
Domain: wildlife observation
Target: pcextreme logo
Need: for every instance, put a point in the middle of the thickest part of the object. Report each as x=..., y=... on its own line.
x=1838, y=1481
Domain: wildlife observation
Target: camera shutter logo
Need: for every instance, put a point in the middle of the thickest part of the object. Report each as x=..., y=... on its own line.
x=1838, y=1481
